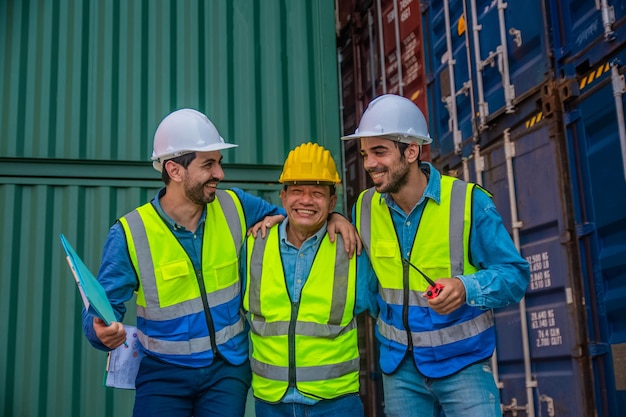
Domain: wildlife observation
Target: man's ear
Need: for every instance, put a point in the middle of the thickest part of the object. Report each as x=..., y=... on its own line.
x=333, y=202
x=412, y=152
x=174, y=170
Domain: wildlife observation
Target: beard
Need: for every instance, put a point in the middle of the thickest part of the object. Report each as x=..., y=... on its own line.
x=196, y=193
x=398, y=178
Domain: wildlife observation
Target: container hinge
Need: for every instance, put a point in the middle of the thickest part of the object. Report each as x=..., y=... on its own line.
x=598, y=349
x=585, y=229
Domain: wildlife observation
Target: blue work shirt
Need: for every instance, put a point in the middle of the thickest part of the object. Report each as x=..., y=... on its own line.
x=117, y=275
x=503, y=274
x=297, y=264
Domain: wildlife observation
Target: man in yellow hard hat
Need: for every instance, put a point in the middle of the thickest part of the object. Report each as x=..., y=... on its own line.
x=303, y=295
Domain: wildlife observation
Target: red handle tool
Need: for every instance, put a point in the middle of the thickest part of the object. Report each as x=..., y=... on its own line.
x=434, y=289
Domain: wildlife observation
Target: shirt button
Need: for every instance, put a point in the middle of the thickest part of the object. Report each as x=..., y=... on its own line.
x=299, y=281
x=472, y=302
x=301, y=255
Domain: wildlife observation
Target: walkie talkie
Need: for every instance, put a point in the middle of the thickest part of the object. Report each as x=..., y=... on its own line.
x=434, y=289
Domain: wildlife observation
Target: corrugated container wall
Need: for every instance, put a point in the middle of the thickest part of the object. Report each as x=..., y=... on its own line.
x=83, y=86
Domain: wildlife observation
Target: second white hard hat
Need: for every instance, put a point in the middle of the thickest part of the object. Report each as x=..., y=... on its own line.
x=393, y=117
x=184, y=131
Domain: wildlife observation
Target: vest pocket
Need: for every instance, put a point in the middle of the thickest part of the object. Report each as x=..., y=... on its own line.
x=384, y=248
x=175, y=282
x=226, y=274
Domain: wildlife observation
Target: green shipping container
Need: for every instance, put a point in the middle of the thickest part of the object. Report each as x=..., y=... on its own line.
x=83, y=85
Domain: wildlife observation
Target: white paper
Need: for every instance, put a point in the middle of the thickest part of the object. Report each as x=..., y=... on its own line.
x=124, y=361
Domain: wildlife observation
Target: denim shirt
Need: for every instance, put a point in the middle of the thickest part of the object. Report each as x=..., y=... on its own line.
x=503, y=274
x=117, y=275
x=297, y=266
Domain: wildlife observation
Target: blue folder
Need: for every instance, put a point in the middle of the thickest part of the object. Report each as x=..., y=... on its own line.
x=90, y=289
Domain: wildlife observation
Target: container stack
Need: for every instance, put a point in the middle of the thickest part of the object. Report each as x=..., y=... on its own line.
x=526, y=99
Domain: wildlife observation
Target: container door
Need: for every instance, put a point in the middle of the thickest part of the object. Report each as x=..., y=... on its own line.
x=511, y=55
x=596, y=151
x=581, y=26
x=450, y=103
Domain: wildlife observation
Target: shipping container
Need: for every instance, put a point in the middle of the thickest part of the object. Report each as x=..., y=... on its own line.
x=369, y=48
x=482, y=58
x=83, y=86
x=541, y=364
x=527, y=99
x=585, y=30
x=596, y=140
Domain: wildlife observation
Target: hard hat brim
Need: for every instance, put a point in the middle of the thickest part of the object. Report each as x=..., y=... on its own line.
x=396, y=137
x=157, y=162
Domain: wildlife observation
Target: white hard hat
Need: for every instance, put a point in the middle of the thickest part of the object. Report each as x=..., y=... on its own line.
x=184, y=131
x=393, y=117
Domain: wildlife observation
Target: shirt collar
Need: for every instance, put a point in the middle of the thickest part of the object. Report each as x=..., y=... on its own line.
x=313, y=240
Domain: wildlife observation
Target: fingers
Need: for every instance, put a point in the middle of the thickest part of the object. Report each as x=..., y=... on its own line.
x=111, y=336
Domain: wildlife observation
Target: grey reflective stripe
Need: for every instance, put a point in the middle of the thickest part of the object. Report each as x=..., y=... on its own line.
x=457, y=222
x=340, y=284
x=144, y=257
x=198, y=345
x=232, y=216
x=365, y=221
x=281, y=328
x=190, y=306
x=440, y=337
x=392, y=296
x=305, y=374
x=256, y=272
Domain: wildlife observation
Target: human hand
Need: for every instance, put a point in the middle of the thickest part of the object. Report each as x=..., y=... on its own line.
x=264, y=225
x=351, y=240
x=451, y=297
x=111, y=336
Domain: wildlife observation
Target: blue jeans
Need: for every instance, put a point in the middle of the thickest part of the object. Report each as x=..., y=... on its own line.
x=347, y=406
x=163, y=389
x=470, y=392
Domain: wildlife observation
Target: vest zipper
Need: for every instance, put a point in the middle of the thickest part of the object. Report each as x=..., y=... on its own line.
x=207, y=311
x=291, y=337
x=405, y=304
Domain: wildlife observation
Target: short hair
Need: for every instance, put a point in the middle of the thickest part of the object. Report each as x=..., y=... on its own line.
x=182, y=160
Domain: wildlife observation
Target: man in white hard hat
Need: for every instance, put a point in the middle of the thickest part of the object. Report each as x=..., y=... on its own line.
x=443, y=259
x=303, y=293
x=179, y=254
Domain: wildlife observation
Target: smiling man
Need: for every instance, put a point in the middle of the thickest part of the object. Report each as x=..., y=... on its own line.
x=303, y=294
x=420, y=229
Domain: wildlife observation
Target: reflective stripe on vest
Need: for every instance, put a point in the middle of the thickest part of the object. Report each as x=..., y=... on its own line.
x=177, y=271
x=284, y=339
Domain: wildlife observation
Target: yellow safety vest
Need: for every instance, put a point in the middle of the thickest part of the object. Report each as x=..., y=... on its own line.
x=311, y=345
x=441, y=344
x=173, y=322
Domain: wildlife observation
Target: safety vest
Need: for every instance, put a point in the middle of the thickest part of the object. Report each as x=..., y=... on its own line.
x=311, y=345
x=186, y=316
x=441, y=344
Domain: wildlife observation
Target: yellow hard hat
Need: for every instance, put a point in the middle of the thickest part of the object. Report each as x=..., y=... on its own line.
x=309, y=163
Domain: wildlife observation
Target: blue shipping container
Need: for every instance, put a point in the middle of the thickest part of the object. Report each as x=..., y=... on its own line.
x=596, y=141
x=482, y=58
x=538, y=361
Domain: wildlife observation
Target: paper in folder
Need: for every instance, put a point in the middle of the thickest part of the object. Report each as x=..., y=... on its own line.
x=90, y=289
